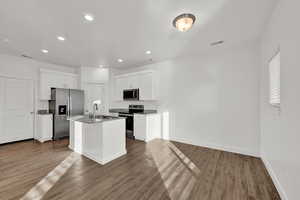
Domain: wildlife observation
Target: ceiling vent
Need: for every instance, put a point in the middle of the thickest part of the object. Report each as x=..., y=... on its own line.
x=217, y=43
x=26, y=56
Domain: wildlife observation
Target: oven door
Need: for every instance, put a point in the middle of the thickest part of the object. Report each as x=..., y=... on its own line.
x=129, y=124
x=131, y=95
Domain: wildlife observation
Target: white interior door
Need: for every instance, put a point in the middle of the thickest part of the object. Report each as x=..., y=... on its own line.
x=94, y=92
x=17, y=110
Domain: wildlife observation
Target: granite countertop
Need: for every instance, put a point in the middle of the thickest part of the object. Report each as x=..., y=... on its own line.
x=120, y=110
x=98, y=119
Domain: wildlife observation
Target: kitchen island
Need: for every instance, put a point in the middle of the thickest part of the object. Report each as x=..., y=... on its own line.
x=102, y=139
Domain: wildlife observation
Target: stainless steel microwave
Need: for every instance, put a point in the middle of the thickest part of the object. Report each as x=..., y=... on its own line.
x=131, y=95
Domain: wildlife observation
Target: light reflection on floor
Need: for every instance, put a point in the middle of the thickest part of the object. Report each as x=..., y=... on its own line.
x=41, y=188
x=179, y=174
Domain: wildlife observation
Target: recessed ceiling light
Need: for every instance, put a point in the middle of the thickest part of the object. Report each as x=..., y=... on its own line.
x=184, y=22
x=120, y=60
x=61, y=38
x=44, y=50
x=5, y=40
x=89, y=17
x=148, y=52
x=101, y=66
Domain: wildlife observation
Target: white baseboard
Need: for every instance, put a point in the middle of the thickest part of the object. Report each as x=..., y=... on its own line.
x=112, y=157
x=93, y=158
x=42, y=140
x=274, y=178
x=219, y=147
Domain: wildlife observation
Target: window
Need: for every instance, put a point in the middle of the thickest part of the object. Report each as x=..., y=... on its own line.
x=274, y=70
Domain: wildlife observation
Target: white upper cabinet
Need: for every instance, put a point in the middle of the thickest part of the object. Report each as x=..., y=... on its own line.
x=53, y=79
x=133, y=82
x=144, y=81
x=146, y=86
x=121, y=83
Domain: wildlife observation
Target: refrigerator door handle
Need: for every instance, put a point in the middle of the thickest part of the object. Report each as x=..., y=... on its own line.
x=70, y=109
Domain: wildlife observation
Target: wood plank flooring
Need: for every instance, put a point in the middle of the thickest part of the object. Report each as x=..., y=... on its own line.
x=158, y=170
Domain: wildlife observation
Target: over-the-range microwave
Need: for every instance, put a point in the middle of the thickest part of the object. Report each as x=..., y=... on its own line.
x=131, y=95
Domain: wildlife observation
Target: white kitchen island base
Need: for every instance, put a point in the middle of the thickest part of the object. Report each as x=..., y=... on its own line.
x=101, y=141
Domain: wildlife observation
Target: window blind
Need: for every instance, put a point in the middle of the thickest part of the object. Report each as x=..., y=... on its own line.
x=274, y=69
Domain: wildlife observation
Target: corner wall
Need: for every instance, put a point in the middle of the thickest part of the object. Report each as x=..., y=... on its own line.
x=280, y=136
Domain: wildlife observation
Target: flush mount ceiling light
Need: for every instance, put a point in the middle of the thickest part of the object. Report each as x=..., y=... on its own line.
x=120, y=60
x=89, y=17
x=184, y=22
x=61, y=38
x=44, y=50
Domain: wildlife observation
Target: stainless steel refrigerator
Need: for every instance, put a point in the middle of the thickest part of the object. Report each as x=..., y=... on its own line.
x=64, y=104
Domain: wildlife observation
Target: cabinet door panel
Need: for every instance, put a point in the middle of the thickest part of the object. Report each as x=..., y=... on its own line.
x=91, y=146
x=44, y=128
x=146, y=86
x=45, y=93
x=140, y=127
x=133, y=81
x=50, y=80
x=121, y=83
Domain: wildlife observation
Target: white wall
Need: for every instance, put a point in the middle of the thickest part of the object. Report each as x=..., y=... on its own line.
x=280, y=131
x=212, y=100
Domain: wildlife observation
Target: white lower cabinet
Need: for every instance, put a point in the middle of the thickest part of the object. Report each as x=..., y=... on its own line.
x=147, y=127
x=44, y=128
x=91, y=140
x=101, y=142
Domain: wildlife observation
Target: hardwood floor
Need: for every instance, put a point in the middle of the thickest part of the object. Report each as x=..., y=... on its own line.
x=157, y=170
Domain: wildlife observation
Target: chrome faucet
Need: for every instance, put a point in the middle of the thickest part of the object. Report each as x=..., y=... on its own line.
x=95, y=109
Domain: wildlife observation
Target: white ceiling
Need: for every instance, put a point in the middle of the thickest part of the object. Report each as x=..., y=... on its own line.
x=124, y=28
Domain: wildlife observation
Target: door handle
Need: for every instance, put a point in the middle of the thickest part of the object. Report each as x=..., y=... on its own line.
x=70, y=108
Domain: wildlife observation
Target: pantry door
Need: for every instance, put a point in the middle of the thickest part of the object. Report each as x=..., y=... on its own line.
x=16, y=109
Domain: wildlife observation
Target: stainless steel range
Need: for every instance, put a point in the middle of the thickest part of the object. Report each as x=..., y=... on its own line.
x=129, y=115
